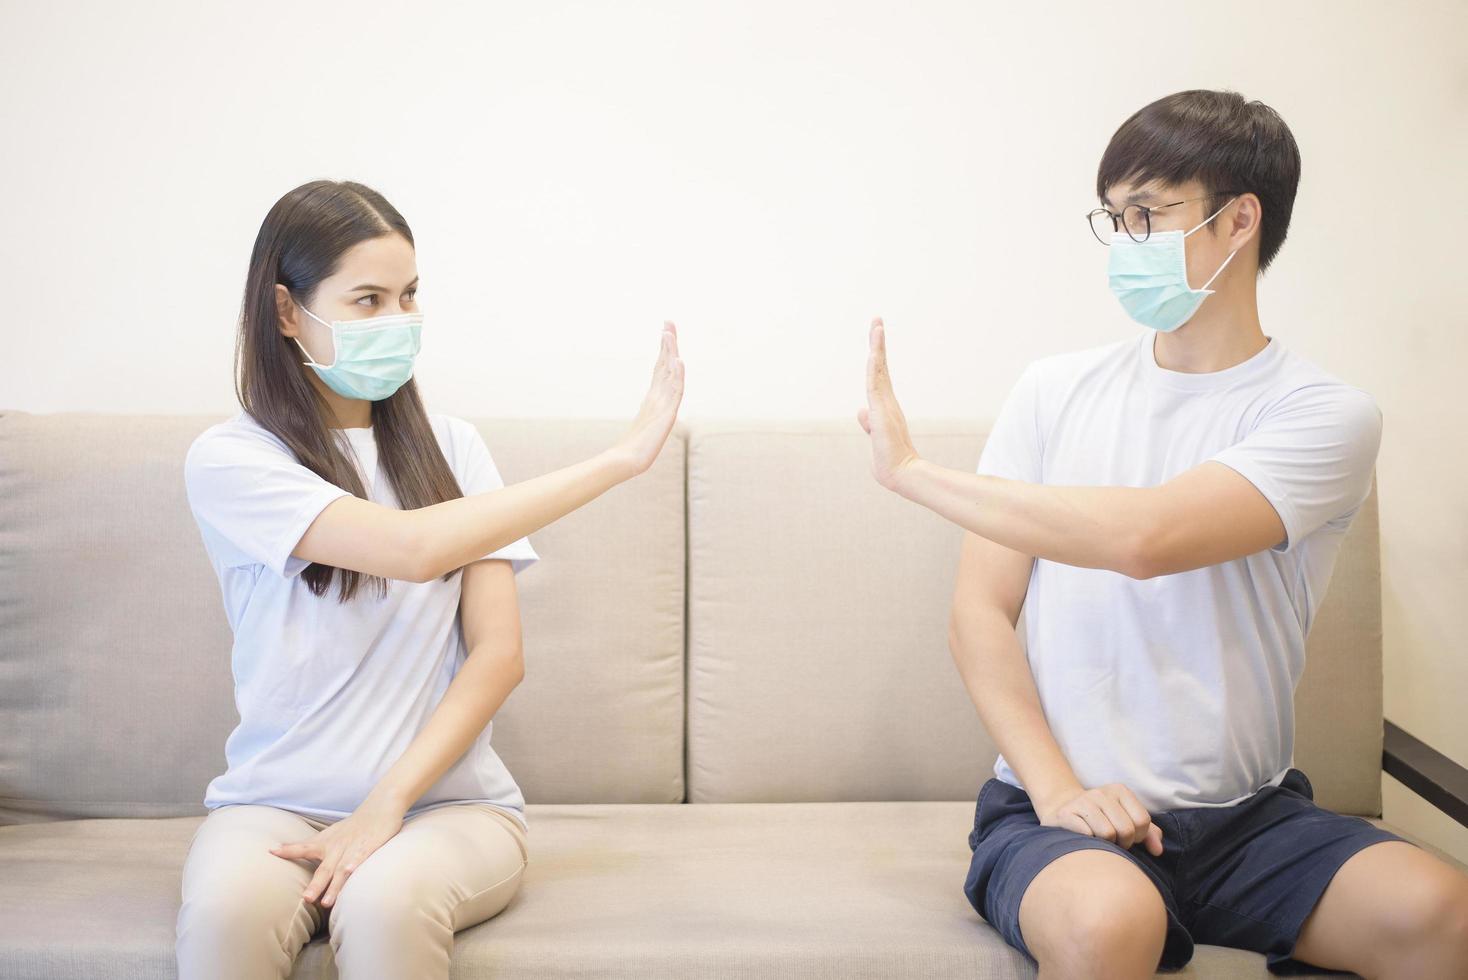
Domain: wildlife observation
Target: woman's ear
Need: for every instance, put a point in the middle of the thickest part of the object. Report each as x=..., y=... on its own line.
x=285, y=310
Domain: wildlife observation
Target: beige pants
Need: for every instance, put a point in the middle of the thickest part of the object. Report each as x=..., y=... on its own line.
x=243, y=915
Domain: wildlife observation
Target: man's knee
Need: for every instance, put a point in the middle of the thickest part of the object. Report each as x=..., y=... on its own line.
x=1093, y=907
x=1433, y=914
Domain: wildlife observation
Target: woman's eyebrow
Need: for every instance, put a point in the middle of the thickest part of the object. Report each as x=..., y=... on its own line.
x=379, y=289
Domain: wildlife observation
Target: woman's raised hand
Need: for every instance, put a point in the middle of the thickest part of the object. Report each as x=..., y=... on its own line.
x=644, y=440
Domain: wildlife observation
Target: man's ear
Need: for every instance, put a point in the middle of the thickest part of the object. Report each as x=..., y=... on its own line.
x=1245, y=224
x=285, y=311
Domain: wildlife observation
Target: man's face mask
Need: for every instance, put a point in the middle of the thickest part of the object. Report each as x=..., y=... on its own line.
x=1150, y=277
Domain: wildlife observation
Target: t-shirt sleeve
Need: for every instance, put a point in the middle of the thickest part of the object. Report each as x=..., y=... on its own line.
x=1312, y=457
x=1014, y=448
x=253, y=499
x=478, y=474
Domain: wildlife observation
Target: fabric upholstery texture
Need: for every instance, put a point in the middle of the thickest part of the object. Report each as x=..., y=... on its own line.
x=831, y=756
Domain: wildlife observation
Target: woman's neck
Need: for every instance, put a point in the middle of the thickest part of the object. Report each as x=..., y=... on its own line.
x=346, y=413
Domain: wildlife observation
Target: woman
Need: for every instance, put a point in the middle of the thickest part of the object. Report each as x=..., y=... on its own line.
x=366, y=551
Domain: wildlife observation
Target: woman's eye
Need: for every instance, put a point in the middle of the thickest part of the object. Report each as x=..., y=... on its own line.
x=370, y=300
x=412, y=294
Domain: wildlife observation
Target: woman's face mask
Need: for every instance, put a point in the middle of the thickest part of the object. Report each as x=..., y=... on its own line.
x=372, y=358
x=1150, y=277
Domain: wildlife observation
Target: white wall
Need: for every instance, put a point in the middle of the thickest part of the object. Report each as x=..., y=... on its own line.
x=768, y=174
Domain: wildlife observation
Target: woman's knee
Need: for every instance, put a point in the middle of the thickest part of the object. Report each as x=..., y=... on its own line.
x=238, y=932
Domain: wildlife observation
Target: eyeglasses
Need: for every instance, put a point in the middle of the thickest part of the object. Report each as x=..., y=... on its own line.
x=1135, y=219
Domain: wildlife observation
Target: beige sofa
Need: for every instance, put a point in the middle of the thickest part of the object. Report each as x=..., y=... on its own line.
x=745, y=746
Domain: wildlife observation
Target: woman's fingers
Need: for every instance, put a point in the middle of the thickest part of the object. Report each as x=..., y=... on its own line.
x=338, y=880
x=299, y=851
x=661, y=364
x=320, y=879
x=1154, y=840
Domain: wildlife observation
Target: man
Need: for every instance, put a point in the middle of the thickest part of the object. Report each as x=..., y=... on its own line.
x=1167, y=510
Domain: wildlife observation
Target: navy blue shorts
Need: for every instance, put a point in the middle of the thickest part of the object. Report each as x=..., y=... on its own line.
x=1245, y=876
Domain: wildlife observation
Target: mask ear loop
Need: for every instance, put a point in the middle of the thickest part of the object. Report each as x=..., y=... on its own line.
x=1190, y=230
x=1195, y=228
x=311, y=360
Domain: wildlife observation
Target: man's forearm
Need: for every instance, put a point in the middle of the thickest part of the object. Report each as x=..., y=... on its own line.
x=997, y=676
x=1090, y=527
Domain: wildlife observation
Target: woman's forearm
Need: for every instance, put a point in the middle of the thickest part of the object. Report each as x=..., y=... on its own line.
x=475, y=694
x=450, y=535
x=423, y=544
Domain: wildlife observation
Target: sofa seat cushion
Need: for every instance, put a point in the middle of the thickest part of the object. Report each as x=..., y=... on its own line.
x=636, y=890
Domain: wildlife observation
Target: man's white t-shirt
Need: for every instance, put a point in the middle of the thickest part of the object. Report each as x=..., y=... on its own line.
x=1182, y=686
x=330, y=694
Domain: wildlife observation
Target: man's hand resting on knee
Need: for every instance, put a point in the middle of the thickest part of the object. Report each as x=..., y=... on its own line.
x=1111, y=812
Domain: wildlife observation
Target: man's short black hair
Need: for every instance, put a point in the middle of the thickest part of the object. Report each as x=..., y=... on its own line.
x=1218, y=139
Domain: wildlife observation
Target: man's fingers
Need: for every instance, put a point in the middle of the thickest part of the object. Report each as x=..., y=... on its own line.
x=1072, y=821
x=1116, y=813
x=876, y=356
x=1154, y=840
x=1141, y=819
x=1096, y=820
x=1134, y=807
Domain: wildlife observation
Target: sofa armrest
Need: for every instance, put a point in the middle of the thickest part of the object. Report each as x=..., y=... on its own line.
x=1426, y=771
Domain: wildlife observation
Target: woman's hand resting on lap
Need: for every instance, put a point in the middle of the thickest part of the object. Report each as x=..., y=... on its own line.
x=341, y=848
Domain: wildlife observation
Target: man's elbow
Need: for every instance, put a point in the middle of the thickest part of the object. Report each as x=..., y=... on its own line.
x=1142, y=554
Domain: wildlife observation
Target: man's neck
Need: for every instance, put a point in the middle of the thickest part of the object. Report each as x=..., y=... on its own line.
x=1225, y=331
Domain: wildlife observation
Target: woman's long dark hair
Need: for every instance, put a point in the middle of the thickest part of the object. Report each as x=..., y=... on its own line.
x=300, y=243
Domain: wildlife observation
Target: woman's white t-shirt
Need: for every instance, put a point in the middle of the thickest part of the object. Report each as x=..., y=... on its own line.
x=330, y=694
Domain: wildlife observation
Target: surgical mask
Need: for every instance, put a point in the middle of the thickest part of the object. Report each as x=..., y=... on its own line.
x=373, y=357
x=1150, y=277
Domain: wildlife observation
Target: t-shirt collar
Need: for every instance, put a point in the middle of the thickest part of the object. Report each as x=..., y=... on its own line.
x=1261, y=361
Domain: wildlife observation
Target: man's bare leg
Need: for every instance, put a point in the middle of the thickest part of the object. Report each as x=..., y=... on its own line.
x=1392, y=910
x=1093, y=914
